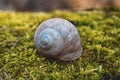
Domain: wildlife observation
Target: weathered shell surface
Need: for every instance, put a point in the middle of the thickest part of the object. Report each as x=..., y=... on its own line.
x=58, y=38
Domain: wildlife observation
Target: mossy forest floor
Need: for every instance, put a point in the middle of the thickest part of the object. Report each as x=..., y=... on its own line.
x=100, y=35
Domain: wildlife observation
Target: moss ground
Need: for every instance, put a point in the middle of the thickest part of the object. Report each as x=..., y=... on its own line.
x=100, y=35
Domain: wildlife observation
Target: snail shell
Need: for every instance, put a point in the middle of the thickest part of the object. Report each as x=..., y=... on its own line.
x=58, y=38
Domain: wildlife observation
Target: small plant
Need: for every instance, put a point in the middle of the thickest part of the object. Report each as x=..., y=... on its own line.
x=100, y=37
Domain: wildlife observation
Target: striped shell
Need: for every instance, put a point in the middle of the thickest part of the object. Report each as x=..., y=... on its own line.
x=58, y=38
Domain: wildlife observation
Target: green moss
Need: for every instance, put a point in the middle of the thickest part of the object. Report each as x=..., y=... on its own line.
x=100, y=35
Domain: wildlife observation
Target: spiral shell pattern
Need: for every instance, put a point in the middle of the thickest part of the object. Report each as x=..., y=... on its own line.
x=58, y=38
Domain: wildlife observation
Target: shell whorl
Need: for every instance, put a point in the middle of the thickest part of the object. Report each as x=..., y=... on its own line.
x=50, y=41
x=46, y=41
x=58, y=38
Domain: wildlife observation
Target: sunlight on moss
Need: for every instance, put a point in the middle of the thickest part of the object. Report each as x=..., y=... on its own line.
x=100, y=36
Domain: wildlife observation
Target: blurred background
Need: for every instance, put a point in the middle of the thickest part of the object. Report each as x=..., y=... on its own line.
x=49, y=5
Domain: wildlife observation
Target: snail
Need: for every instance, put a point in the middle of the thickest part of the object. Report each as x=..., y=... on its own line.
x=58, y=38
